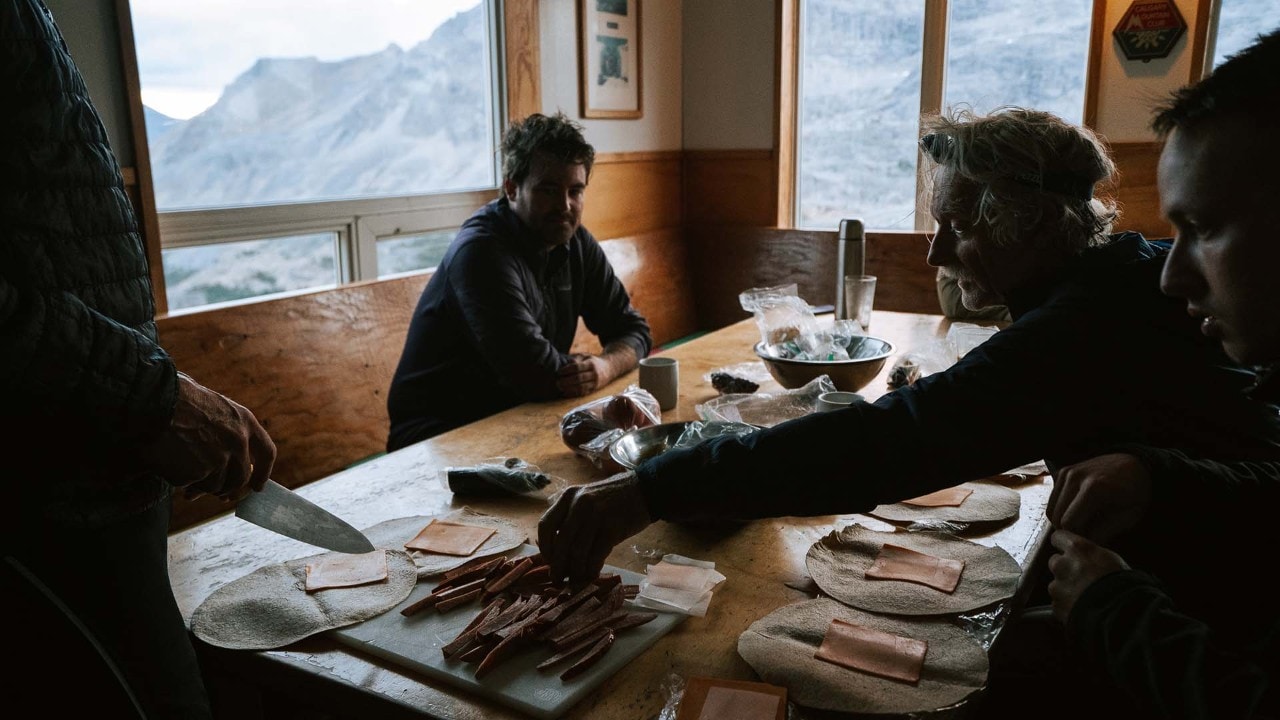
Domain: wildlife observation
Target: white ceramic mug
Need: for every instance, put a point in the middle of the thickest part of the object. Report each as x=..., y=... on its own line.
x=661, y=377
x=835, y=400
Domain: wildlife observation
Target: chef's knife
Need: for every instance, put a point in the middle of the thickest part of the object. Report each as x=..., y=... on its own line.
x=281, y=510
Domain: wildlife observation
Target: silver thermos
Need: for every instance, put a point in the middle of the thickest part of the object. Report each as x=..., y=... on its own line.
x=850, y=259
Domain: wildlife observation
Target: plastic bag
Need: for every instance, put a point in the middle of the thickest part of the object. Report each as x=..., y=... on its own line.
x=740, y=378
x=781, y=314
x=963, y=337
x=589, y=429
x=766, y=409
x=911, y=366
x=695, y=432
x=500, y=476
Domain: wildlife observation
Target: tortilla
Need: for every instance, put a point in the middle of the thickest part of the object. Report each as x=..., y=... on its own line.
x=395, y=533
x=781, y=648
x=449, y=538
x=346, y=570
x=898, y=563
x=869, y=650
x=986, y=502
x=838, y=563
x=270, y=608
x=950, y=497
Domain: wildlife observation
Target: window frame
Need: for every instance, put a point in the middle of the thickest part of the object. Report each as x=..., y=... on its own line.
x=933, y=59
x=357, y=223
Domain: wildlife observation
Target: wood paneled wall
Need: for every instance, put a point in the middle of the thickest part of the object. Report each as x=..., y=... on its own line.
x=728, y=260
x=730, y=187
x=635, y=208
x=1134, y=189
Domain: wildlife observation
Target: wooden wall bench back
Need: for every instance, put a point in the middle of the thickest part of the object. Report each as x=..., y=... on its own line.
x=727, y=260
x=314, y=368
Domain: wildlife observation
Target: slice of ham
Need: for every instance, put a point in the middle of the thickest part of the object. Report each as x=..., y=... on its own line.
x=872, y=651
x=449, y=538
x=346, y=570
x=951, y=497
x=899, y=563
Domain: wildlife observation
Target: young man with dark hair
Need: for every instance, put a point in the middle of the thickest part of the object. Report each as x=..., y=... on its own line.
x=1167, y=647
x=495, y=323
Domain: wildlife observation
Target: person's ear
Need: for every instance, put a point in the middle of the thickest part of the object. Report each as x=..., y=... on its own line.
x=509, y=189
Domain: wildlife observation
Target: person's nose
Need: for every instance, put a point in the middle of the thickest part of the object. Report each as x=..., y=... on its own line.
x=1179, y=278
x=942, y=249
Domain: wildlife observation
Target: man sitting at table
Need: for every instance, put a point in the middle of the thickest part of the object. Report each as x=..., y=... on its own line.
x=1096, y=357
x=1180, y=629
x=494, y=325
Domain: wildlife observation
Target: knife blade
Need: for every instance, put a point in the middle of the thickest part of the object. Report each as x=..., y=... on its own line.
x=281, y=510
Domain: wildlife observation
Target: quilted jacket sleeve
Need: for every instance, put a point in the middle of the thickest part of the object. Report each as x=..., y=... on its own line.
x=78, y=347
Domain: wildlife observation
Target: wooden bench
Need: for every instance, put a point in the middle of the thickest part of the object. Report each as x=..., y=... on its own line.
x=315, y=368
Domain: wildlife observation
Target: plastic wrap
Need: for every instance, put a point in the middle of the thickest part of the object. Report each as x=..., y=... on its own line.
x=742, y=378
x=500, y=476
x=766, y=409
x=590, y=428
x=911, y=366
x=781, y=314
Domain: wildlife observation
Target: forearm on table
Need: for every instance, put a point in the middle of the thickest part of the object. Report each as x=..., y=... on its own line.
x=621, y=358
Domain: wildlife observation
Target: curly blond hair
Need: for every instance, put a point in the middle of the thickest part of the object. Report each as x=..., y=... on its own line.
x=1024, y=176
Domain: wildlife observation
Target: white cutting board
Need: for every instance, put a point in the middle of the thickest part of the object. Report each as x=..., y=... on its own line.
x=415, y=642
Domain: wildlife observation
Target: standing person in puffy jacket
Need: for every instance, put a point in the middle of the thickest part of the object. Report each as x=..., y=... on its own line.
x=98, y=425
x=1148, y=640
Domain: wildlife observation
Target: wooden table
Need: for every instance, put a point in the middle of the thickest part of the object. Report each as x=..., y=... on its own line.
x=758, y=558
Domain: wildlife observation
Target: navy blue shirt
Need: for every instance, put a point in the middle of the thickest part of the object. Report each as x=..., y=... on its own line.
x=1095, y=360
x=496, y=322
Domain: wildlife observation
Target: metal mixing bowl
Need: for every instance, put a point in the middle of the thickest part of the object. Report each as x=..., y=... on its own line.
x=848, y=375
x=643, y=443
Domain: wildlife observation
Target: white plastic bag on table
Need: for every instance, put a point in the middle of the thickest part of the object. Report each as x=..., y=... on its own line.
x=781, y=314
x=766, y=409
x=591, y=428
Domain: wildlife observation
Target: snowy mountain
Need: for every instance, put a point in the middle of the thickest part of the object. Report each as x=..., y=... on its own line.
x=393, y=123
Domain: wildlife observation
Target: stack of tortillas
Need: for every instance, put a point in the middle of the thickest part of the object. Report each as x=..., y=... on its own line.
x=839, y=564
x=971, y=502
x=783, y=648
x=271, y=607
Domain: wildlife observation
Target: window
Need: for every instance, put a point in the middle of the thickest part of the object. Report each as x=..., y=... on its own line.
x=1239, y=23
x=297, y=145
x=867, y=70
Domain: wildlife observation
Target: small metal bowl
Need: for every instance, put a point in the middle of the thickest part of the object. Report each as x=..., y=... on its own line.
x=648, y=442
x=847, y=375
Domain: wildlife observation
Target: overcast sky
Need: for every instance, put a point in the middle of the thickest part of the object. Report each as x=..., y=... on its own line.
x=189, y=50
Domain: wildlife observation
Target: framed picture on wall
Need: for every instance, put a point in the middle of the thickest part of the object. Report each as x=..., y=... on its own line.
x=609, y=58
